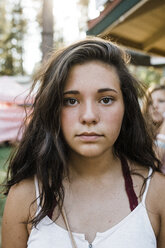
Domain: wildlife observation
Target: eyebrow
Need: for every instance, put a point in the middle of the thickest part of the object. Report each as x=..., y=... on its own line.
x=76, y=92
x=106, y=89
x=72, y=92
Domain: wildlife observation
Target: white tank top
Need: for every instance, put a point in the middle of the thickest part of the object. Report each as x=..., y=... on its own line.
x=134, y=231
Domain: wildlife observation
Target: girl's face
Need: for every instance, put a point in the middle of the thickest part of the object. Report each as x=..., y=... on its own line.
x=93, y=109
x=157, y=107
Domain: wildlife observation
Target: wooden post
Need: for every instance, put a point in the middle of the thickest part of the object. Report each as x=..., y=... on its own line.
x=47, y=25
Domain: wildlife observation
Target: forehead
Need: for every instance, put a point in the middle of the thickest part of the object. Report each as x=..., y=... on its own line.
x=158, y=94
x=92, y=75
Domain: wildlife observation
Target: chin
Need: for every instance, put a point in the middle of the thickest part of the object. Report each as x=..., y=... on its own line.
x=89, y=155
x=91, y=152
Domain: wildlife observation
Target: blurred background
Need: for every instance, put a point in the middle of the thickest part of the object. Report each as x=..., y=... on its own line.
x=29, y=30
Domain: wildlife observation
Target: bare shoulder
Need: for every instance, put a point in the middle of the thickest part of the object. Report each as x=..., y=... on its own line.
x=158, y=179
x=156, y=191
x=26, y=185
x=21, y=195
x=157, y=196
x=156, y=187
x=16, y=214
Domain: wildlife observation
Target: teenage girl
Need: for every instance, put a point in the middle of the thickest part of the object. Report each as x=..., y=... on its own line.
x=85, y=174
x=154, y=113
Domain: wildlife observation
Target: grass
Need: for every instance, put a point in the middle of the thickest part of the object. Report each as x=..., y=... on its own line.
x=4, y=154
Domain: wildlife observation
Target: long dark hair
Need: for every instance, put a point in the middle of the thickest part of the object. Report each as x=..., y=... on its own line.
x=43, y=151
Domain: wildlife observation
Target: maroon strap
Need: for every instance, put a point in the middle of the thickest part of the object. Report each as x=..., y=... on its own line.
x=133, y=201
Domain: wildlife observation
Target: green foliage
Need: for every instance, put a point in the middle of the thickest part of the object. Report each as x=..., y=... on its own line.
x=147, y=75
x=12, y=30
x=4, y=154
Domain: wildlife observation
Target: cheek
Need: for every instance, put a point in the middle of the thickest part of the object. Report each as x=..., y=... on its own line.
x=68, y=119
x=161, y=107
x=64, y=120
x=114, y=120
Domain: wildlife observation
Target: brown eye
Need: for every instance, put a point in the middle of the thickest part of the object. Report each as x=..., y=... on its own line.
x=106, y=100
x=70, y=101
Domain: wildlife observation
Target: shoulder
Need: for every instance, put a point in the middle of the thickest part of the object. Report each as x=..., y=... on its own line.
x=17, y=213
x=156, y=191
x=156, y=186
x=157, y=200
x=158, y=179
x=20, y=198
x=26, y=184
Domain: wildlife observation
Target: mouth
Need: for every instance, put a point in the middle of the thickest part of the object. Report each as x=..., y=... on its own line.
x=89, y=136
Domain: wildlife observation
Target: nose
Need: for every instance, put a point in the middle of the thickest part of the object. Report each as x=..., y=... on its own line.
x=89, y=114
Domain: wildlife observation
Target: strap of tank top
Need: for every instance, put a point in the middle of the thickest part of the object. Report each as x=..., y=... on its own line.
x=130, y=192
x=68, y=228
x=147, y=185
x=37, y=194
x=133, y=201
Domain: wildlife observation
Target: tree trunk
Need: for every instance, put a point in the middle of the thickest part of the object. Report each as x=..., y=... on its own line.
x=47, y=25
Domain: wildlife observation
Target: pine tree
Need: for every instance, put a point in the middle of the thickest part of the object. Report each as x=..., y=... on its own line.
x=3, y=33
x=11, y=57
x=47, y=27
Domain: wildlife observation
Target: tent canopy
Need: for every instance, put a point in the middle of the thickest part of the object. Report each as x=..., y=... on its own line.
x=13, y=92
x=136, y=24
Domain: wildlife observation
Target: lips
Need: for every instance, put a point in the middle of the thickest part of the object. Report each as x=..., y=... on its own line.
x=89, y=136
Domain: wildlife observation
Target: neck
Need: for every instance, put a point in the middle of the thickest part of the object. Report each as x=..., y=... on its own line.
x=92, y=167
